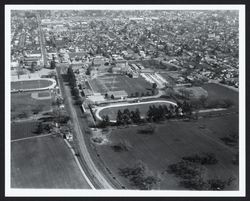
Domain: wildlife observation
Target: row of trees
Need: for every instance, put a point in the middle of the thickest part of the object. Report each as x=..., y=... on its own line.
x=127, y=117
x=154, y=114
x=74, y=89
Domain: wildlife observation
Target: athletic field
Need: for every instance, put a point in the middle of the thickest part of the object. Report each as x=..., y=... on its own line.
x=30, y=84
x=112, y=111
x=106, y=83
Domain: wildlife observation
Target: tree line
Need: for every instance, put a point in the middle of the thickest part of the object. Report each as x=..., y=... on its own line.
x=154, y=114
x=74, y=89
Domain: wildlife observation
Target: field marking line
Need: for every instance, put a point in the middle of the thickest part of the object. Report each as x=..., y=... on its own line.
x=32, y=137
x=79, y=165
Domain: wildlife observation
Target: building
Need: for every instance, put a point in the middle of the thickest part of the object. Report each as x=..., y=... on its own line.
x=118, y=94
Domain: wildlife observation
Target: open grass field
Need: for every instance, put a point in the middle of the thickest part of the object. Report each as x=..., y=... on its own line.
x=216, y=91
x=143, y=108
x=44, y=94
x=30, y=84
x=171, y=141
x=23, y=129
x=44, y=162
x=106, y=83
x=23, y=103
x=194, y=92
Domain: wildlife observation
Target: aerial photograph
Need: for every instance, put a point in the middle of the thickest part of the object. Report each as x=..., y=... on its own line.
x=124, y=99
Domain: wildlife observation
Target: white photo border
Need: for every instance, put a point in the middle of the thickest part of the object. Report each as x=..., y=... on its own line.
x=10, y=192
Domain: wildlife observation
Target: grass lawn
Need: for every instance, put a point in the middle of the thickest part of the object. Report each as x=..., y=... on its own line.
x=112, y=111
x=44, y=94
x=44, y=162
x=24, y=103
x=23, y=129
x=106, y=83
x=171, y=141
x=216, y=91
x=30, y=84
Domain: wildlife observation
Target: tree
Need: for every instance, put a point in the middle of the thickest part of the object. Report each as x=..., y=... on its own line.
x=110, y=70
x=52, y=64
x=75, y=92
x=112, y=97
x=203, y=100
x=39, y=128
x=60, y=116
x=33, y=67
x=119, y=119
x=79, y=101
x=154, y=86
x=105, y=121
x=88, y=71
x=137, y=117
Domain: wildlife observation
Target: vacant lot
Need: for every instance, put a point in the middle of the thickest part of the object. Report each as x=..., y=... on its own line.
x=168, y=144
x=23, y=105
x=30, y=84
x=143, y=108
x=44, y=162
x=103, y=84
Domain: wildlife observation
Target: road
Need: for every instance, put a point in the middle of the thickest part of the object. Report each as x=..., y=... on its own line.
x=42, y=41
x=94, y=174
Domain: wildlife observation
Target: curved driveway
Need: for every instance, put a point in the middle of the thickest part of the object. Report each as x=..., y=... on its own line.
x=99, y=109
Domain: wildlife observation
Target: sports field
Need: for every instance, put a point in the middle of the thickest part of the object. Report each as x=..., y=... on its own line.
x=30, y=84
x=44, y=162
x=170, y=142
x=22, y=104
x=107, y=83
x=111, y=111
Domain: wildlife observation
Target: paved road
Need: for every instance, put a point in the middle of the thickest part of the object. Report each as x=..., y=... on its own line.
x=42, y=40
x=94, y=175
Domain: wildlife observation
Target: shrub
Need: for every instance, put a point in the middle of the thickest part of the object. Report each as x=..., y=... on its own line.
x=149, y=130
x=97, y=140
x=137, y=178
x=196, y=183
x=185, y=169
x=205, y=159
x=216, y=184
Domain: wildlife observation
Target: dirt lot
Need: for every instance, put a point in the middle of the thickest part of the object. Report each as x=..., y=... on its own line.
x=170, y=142
x=103, y=84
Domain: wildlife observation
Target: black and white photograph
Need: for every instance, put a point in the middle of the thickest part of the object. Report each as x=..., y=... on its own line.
x=125, y=100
